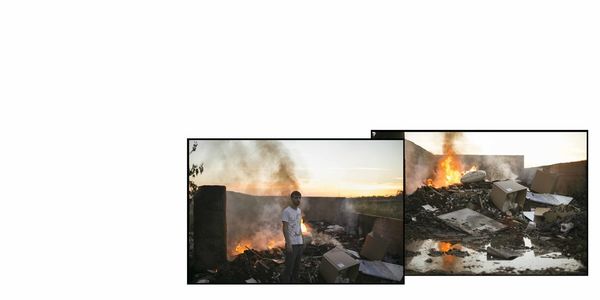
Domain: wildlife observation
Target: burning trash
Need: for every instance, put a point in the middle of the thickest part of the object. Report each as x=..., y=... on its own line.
x=256, y=226
x=488, y=214
x=473, y=176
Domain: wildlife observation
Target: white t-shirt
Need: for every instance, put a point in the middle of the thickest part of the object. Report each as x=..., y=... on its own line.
x=293, y=217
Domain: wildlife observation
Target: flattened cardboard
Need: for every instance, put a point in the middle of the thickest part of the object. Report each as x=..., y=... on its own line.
x=337, y=266
x=375, y=247
x=508, y=194
x=540, y=211
x=544, y=182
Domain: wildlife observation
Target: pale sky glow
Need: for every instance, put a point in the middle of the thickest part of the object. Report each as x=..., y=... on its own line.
x=345, y=168
x=539, y=148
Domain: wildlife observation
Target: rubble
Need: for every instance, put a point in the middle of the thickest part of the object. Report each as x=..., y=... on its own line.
x=266, y=266
x=566, y=227
x=530, y=226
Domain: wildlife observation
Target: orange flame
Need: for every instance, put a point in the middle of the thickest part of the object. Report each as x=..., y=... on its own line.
x=444, y=246
x=241, y=247
x=448, y=261
x=263, y=240
x=303, y=227
x=449, y=170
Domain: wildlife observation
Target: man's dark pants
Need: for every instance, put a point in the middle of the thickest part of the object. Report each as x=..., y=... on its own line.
x=292, y=264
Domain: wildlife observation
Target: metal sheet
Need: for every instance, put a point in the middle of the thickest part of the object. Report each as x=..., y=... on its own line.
x=471, y=222
x=382, y=270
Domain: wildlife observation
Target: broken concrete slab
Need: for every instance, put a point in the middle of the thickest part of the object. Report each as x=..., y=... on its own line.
x=471, y=222
x=508, y=195
x=551, y=199
x=381, y=269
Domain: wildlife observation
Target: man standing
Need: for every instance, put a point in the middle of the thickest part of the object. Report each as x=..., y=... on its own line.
x=292, y=231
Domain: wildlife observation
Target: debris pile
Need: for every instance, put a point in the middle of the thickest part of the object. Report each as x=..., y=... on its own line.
x=266, y=266
x=495, y=218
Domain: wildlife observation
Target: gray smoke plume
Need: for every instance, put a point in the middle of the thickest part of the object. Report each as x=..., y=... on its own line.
x=499, y=168
x=450, y=139
x=252, y=167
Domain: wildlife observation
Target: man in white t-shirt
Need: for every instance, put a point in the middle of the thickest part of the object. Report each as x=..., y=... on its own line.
x=294, y=244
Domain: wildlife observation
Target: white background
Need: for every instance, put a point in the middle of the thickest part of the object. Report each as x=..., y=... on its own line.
x=98, y=98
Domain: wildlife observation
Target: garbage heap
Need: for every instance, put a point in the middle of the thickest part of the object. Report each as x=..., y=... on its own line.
x=500, y=214
x=331, y=256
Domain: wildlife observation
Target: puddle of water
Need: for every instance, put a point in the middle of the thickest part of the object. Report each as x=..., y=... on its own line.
x=477, y=261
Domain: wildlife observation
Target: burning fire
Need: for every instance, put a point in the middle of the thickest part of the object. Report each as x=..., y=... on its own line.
x=449, y=170
x=241, y=247
x=263, y=241
x=303, y=227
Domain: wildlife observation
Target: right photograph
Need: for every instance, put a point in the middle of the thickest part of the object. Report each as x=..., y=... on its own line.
x=496, y=203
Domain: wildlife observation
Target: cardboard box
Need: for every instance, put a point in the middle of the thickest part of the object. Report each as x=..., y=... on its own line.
x=507, y=195
x=375, y=247
x=544, y=182
x=338, y=267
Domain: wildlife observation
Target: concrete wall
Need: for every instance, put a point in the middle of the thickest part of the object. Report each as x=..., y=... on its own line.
x=572, y=177
x=419, y=165
x=331, y=210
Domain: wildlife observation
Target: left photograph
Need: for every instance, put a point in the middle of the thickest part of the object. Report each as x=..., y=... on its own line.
x=297, y=211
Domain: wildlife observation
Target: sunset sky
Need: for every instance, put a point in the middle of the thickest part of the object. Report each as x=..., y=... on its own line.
x=344, y=168
x=538, y=148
